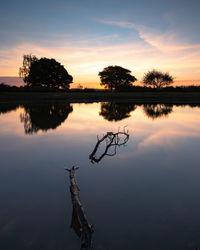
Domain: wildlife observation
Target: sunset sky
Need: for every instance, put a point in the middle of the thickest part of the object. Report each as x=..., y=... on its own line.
x=88, y=35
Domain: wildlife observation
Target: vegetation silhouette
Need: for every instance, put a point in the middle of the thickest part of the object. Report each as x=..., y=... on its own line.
x=115, y=111
x=28, y=60
x=113, y=77
x=157, y=79
x=7, y=107
x=111, y=141
x=44, y=72
x=157, y=110
x=79, y=223
x=44, y=117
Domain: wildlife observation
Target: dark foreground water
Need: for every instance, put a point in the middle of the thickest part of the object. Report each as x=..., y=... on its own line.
x=144, y=195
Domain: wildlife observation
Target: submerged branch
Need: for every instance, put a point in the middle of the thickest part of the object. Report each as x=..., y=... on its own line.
x=79, y=223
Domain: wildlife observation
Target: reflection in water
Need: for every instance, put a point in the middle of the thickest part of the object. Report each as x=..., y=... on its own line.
x=79, y=223
x=113, y=111
x=4, y=108
x=150, y=192
x=157, y=110
x=44, y=117
x=111, y=141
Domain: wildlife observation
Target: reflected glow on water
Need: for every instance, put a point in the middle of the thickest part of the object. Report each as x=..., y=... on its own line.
x=144, y=197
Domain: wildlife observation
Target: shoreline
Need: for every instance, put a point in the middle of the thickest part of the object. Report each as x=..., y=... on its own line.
x=135, y=97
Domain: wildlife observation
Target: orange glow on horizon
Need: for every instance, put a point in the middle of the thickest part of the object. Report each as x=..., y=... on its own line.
x=84, y=63
x=14, y=80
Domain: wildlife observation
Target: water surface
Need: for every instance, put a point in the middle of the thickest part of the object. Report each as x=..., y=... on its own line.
x=145, y=196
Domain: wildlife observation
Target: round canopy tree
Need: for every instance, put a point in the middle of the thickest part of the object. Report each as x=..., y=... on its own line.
x=157, y=79
x=47, y=72
x=113, y=77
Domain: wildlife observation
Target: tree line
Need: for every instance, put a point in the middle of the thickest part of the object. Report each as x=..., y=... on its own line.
x=47, y=72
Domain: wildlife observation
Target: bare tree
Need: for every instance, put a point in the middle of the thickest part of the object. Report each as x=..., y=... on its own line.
x=157, y=79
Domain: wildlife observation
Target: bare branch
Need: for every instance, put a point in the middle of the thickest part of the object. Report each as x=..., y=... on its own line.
x=112, y=140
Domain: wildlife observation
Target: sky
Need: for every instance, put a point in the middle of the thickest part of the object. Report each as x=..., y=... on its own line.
x=88, y=35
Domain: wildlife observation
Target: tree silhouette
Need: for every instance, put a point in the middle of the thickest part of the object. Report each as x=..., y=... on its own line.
x=113, y=77
x=25, y=69
x=44, y=72
x=157, y=79
x=157, y=110
x=44, y=117
x=112, y=111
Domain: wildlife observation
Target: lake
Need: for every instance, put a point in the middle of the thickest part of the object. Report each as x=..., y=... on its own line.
x=142, y=193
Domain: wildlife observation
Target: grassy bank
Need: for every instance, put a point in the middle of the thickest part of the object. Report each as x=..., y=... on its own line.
x=73, y=97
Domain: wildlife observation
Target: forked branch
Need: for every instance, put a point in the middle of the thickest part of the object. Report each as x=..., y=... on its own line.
x=111, y=140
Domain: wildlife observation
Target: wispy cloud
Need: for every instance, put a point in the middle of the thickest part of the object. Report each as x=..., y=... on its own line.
x=85, y=58
x=164, y=41
x=83, y=62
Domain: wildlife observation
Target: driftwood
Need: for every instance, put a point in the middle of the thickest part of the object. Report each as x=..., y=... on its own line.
x=79, y=223
x=111, y=139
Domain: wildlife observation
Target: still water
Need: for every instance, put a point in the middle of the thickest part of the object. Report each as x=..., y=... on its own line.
x=142, y=195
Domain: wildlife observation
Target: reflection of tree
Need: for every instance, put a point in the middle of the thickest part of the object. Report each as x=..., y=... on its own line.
x=112, y=111
x=44, y=117
x=157, y=110
x=4, y=108
x=111, y=141
x=79, y=223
